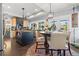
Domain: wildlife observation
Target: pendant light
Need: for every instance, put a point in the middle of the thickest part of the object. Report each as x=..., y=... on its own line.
x=50, y=14
x=23, y=13
x=73, y=9
x=25, y=21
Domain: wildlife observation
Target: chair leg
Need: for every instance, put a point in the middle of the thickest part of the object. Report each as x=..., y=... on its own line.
x=64, y=52
x=59, y=52
x=36, y=46
x=51, y=52
x=70, y=52
x=69, y=49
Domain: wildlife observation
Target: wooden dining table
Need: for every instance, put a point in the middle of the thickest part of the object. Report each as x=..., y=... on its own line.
x=46, y=45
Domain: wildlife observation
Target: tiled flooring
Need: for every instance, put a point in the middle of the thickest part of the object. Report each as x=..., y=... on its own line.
x=14, y=49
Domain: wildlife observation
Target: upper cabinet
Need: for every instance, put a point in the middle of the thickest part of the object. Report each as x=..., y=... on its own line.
x=13, y=21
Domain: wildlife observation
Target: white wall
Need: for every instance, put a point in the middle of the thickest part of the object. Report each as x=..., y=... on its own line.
x=1, y=39
x=76, y=32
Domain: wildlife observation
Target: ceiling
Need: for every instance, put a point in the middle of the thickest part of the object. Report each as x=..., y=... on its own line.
x=35, y=9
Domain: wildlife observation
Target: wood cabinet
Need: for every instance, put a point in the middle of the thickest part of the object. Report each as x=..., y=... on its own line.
x=13, y=22
x=16, y=22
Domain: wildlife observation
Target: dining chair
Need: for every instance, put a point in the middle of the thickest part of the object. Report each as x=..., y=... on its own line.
x=58, y=42
x=39, y=41
x=68, y=42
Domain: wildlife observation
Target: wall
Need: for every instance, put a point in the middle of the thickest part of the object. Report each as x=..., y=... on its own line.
x=75, y=32
x=1, y=39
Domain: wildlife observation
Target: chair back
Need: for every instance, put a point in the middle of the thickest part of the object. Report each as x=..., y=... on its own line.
x=58, y=40
x=38, y=34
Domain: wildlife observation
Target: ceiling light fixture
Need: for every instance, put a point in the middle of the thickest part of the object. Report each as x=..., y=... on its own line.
x=36, y=9
x=8, y=6
x=24, y=17
x=74, y=9
x=50, y=14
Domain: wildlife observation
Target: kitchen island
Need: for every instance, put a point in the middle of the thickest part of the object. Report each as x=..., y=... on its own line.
x=25, y=37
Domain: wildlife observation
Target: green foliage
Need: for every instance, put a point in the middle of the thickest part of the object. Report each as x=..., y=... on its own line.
x=65, y=27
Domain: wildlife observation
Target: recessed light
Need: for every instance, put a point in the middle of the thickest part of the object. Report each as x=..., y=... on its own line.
x=36, y=9
x=8, y=6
